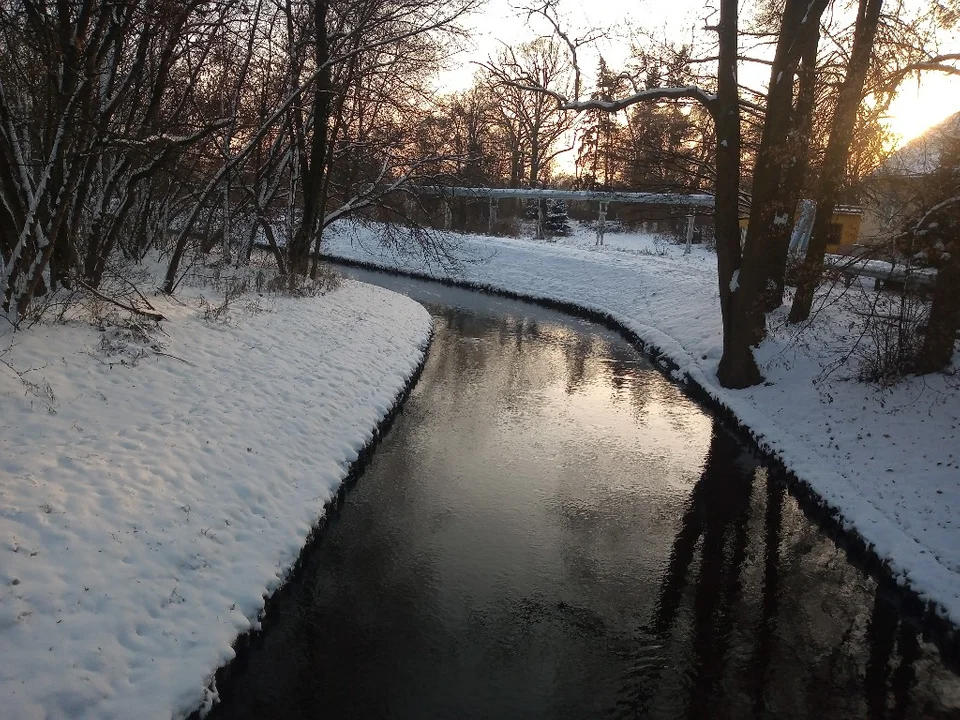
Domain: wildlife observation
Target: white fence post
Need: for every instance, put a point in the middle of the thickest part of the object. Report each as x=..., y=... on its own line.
x=690, y=223
x=602, y=222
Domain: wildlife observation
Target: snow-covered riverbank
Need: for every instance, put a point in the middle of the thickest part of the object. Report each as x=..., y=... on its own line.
x=888, y=460
x=150, y=497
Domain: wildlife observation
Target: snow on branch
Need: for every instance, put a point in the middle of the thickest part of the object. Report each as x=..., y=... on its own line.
x=377, y=188
x=935, y=63
x=168, y=140
x=936, y=208
x=690, y=92
x=525, y=82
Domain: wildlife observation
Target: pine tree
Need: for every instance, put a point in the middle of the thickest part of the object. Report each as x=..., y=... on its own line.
x=557, y=222
x=598, y=161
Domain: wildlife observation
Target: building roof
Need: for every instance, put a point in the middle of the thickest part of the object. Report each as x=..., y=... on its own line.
x=921, y=156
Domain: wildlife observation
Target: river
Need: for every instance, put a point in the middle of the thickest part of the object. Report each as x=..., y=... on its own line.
x=551, y=529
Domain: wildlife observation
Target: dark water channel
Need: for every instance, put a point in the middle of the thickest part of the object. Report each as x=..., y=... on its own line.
x=552, y=530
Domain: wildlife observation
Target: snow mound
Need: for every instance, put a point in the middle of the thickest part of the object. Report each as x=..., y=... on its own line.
x=150, y=500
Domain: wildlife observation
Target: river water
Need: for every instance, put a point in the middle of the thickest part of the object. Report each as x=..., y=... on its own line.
x=552, y=530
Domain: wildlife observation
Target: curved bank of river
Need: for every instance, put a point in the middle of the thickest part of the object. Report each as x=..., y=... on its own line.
x=551, y=529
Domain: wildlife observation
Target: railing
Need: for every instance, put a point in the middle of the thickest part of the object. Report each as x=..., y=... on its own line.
x=690, y=202
x=698, y=200
x=881, y=270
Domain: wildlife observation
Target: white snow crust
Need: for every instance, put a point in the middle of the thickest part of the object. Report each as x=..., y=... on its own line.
x=147, y=509
x=887, y=459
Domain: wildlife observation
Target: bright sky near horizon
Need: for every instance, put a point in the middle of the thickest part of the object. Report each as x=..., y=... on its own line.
x=916, y=108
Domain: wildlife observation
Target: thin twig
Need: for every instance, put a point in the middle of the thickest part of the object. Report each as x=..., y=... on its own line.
x=152, y=314
x=157, y=352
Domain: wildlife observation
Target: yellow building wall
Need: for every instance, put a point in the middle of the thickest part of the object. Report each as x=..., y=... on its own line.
x=849, y=228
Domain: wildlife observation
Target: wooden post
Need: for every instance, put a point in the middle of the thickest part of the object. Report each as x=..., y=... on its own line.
x=690, y=223
x=602, y=222
x=447, y=215
x=492, y=217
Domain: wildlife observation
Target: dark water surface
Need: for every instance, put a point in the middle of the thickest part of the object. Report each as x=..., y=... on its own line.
x=552, y=530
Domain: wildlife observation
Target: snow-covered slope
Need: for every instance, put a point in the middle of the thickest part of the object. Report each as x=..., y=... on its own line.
x=148, y=505
x=888, y=460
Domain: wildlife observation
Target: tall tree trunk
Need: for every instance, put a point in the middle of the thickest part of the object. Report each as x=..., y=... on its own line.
x=330, y=157
x=944, y=321
x=838, y=151
x=314, y=165
x=795, y=172
x=771, y=211
x=738, y=368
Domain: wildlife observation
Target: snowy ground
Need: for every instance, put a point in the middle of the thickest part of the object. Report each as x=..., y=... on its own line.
x=149, y=502
x=887, y=459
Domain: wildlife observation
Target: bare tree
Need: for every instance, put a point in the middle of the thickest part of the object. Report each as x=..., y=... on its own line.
x=738, y=367
x=886, y=48
x=344, y=62
x=773, y=201
x=835, y=160
x=937, y=231
x=541, y=123
x=93, y=108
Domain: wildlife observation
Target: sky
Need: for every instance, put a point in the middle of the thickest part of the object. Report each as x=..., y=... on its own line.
x=916, y=108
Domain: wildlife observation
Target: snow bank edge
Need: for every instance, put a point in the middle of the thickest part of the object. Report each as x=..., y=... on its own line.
x=242, y=643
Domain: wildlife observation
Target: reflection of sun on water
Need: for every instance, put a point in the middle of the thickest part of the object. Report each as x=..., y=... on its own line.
x=645, y=406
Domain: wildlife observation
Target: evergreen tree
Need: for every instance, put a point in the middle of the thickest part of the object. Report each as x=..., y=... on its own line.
x=666, y=146
x=557, y=222
x=598, y=161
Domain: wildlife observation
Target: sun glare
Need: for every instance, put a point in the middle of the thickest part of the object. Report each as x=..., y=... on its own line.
x=917, y=108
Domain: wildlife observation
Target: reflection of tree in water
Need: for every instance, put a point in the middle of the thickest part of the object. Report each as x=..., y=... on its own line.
x=715, y=521
x=732, y=633
x=887, y=632
x=757, y=614
x=574, y=357
x=767, y=624
x=621, y=375
x=576, y=354
x=505, y=346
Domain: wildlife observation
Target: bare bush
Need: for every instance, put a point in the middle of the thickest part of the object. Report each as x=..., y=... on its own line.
x=41, y=391
x=507, y=227
x=127, y=342
x=294, y=285
x=232, y=287
x=892, y=339
x=52, y=307
x=661, y=245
